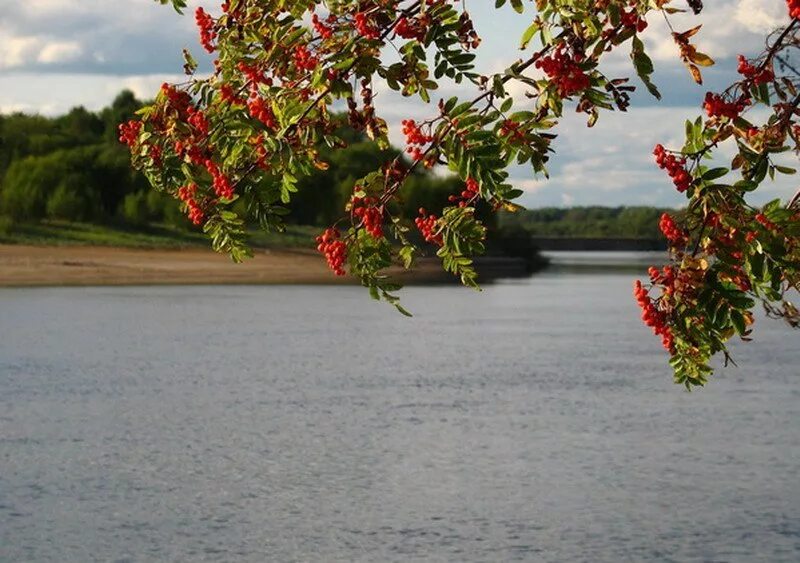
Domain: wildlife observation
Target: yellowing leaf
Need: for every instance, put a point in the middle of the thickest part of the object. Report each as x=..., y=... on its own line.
x=695, y=72
x=512, y=207
x=701, y=59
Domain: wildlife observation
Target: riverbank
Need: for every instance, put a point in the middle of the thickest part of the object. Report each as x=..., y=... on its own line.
x=26, y=265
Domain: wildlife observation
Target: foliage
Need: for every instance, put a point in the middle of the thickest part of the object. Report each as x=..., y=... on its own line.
x=240, y=141
x=589, y=222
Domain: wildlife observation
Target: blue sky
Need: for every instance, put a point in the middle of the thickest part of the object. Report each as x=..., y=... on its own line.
x=56, y=54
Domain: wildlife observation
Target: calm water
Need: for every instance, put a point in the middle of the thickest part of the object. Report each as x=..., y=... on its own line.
x=535, y=421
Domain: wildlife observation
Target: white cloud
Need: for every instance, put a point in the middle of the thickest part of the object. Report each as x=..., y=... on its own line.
x=729, y=28
x=16, y=51
x=760, y=16
x=59, y=52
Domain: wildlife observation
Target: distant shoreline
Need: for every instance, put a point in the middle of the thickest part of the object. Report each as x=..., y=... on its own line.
x=28, y=266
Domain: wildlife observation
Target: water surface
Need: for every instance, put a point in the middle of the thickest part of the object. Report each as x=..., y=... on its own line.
x=534, y=421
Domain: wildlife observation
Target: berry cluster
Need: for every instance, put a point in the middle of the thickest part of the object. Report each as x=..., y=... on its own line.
x=334, y=250
x=757, y=75
x=197, y=119
x=370, y=214
x=428, y=225
x=415, y=139
x=259, y=109
x=325, y=30
x=716, y=106
x=365, y=26
x=675, y=235
x=410, y=28
x=510, y=128
x=261, y=151
x=206, y=25
x=153, y=151
x=565, y=71
x=469, y=193
x=253, y=73
x=176, y=99
x=766, y=223
x=193, y=152
x=654, y=318
x=305, y=59
x=222, y=184
x=675, y=167
x=665, y=277
x=794, y=8
x=129, y=132
x=187, y=195
x=228, y=95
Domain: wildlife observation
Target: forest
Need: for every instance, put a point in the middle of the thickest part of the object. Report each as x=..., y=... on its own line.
x=72, y=168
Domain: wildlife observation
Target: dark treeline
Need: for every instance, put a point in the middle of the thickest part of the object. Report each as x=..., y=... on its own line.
x=588, y=222
x=73, y=168
x=68, y=167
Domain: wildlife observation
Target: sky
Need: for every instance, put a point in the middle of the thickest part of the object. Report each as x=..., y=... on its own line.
x=57, y=54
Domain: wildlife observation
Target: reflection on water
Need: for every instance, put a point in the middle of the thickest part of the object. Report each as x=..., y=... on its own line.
x=603, y=261
x=534, y=421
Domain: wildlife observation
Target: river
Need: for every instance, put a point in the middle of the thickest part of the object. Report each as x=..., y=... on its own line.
x=533, y=421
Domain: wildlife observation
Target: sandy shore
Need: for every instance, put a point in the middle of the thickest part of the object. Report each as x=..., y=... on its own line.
x=85, y=265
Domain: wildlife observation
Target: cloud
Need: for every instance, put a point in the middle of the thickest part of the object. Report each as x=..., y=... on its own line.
x=133, y=37
x=16, y=51
x=59, y=52
x=760, y=16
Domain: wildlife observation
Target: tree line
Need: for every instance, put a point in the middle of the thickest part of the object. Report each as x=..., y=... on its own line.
x=73, y=168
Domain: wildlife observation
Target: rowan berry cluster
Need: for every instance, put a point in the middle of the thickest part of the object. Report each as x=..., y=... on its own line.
x=261, y=151
x=510, y=128
x=206, y=25
x=176, y=99
x=415, y=139
x=324, y=29
x=253, y=74
x=228, y=95
x=153, y=151
x=221, y=183
x=371, y=216
x=755, y=74
x=197, y=119
x=653, y=317
x=764, y=222
x=334, y=249
x=675, y=235
x=129, y=132
x=305, y=59
x=261, y=111
x=193, y=152
x=365, y=26
x=410, y=28
x=564, y=70
x=470, y=192
x=187, y=195
x=665, y=277
x=428, y=225
x=794, y=8
x=716, y=106
x=675, y=167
